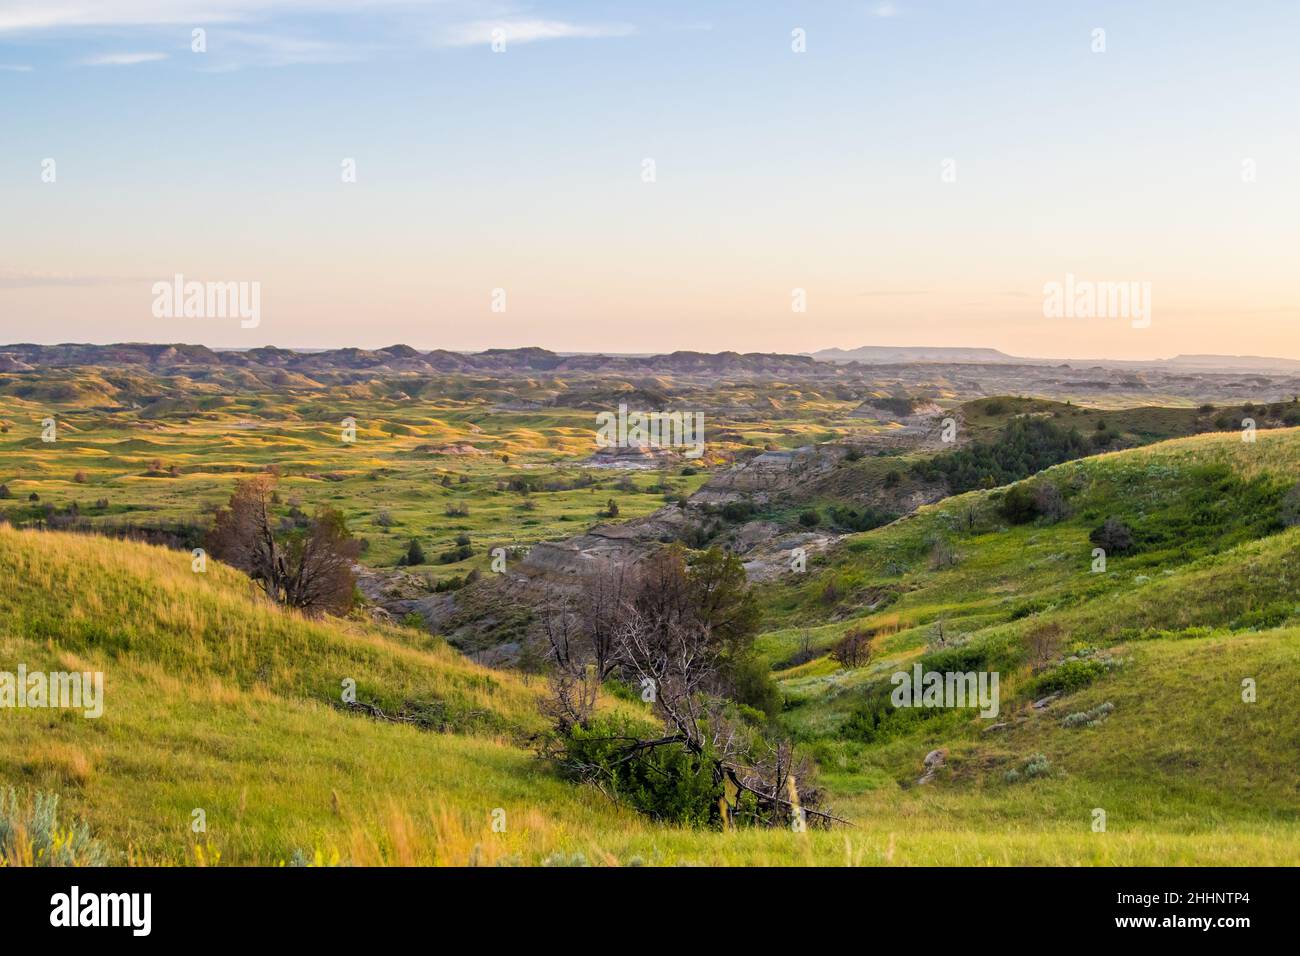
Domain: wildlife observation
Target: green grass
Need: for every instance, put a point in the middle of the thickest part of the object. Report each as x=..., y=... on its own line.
x=217, y=701
x=388, y=482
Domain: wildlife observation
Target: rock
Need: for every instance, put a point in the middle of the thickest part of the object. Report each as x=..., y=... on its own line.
x=933, y=761
x=379, y=615
x=1040, y=704
x=769, y=474
x=639, y=456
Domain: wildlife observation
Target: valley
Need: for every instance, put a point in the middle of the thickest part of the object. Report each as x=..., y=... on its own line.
x=1123, y=686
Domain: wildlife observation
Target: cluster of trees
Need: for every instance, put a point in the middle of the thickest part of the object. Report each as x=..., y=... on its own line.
x=415, y=556
x=680, y=635
x=860, y=519
x=1025, y=447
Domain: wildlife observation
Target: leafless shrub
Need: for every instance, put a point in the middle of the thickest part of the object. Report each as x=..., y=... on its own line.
x=1049, y=502
x=309, y=568
x=942, y=553
x=853, y=649
x=1043, y=642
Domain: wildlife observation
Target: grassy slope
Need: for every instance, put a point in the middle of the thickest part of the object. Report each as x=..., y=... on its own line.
x=215, y=700
x=1181, y=753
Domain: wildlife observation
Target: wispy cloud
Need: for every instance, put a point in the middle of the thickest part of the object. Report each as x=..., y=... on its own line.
x=240, y=49
x=123, y=59
x=10, y=279
x=528, y=31
x=18, y=15
x=884, y=10
x=6, y=68
x=261, y=33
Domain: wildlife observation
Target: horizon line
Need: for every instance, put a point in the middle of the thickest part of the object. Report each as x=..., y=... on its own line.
x=305, y=349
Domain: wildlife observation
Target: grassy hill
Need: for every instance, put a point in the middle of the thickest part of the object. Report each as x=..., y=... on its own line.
x=215, y=700
x=1153, y=649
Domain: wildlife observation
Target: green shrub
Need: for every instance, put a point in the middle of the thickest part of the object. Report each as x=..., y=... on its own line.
x=1018, y=504
x=752, y=685
x=853, y=519
x=1274, y=615
x=667, y=783
x=1069, y=676
x=737, y=511
x=414, y=555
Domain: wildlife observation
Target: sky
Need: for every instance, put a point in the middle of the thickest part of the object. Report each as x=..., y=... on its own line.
x=651, y=176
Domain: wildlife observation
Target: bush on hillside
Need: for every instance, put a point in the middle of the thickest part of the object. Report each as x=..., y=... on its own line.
x=31, y=835
x=1018, y=504
x=414, y=555
x=308, y=568
x=1026, y=502
x=1068, y=677
x=1291, y=507
x=1114, y=536
x=667, y=783
x=853, y=649
x=864, y=519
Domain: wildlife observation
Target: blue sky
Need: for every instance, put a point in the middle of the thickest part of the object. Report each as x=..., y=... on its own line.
x=775, y=170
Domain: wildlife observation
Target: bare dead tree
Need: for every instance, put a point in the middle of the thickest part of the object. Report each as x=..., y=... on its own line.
x=574, y=681
x=602, y=604
x=309, y=569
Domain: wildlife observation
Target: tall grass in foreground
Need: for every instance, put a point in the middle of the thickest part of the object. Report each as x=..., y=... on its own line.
x=31, y=835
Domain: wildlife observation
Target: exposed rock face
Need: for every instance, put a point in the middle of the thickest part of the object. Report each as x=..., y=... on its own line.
x=630, y=456
x=775, y=557
x=604, y=547
x=403, y=358
x=458, y=448
x=385, y=586
x=771, y=473
x=10, y=363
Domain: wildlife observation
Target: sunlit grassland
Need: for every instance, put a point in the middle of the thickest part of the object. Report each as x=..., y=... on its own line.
x=388, y=482
x=219, y=702
x=1189, y=617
